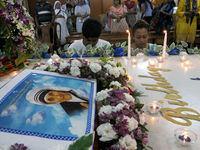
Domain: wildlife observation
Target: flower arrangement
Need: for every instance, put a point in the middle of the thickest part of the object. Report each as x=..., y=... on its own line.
x=18, y=31
x=122, y=119
x=121, y=116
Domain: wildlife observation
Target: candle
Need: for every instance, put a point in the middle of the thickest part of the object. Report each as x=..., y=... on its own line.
x=160, y=59
x=129, y=44
x=187, y=63
x=154, y=107
x=14, y=73
x=164, y=44
x=134, y=61
x=56, y=59
x=152, y=63
x=184, y=138
x=183, y=58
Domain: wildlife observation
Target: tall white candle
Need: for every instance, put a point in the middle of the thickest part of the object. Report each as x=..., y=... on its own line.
x=164, y=44
x=129, y=44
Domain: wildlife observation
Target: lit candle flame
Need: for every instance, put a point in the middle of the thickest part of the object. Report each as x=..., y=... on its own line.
x=127, y=31
x=165, y=31
x=185, y=136
x=154, y=106
x=56, y=59
x=14, y=73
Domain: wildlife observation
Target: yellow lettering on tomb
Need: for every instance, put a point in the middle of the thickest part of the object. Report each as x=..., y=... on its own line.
x=173, y=98
x=168, y=113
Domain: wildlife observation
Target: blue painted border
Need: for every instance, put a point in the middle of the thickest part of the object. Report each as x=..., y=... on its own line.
x=89, y=118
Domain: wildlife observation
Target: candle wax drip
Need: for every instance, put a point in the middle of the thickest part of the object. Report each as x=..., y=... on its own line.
x=187, y=139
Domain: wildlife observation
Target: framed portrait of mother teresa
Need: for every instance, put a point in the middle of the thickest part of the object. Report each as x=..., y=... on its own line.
x=45, y=105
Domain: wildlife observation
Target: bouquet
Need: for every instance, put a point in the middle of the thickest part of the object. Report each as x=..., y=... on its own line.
x=122, y=121
x=17, y=30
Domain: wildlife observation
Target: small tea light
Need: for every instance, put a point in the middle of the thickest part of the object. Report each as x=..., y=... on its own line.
x=134, y=61
x=187, y=63
x=183, y=58
x=152, y=63
x=14, y=73
x=154, y=107
x=185, y=136
x=57, y=60
x=160, y=59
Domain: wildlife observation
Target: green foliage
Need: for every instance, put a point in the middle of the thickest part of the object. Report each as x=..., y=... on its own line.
x=172, y=46
x=83, y=143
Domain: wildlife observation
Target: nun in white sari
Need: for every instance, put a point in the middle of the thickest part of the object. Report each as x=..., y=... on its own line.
x=61, y=17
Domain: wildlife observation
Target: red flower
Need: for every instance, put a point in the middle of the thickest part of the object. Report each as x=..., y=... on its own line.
x=4, y=59
x=131, y=92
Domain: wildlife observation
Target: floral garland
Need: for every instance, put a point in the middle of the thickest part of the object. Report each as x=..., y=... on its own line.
x=18, y=32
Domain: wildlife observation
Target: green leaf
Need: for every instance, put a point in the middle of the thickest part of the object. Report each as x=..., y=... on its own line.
x=88, y=47
x=55, y=52
x=123, y=44
x=184, y=44
x=81, y=52
x=139, y=106
x=125, y=49
x=190, y=50
x=179, y=47
x=172, y=46
x=117, y=44
x=196, y=49
x=103, y=59
x=66, y=46
x=119, y=64
x=21, y=58
x=182, y=50
x=146, y=51
x=74, y=50
x=130, y=84
x=68, y=55
x=83, y=143
x=59, y=50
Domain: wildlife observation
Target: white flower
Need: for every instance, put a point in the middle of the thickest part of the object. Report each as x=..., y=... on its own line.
x=50, y=61
x=63, y=65
x=95, y=67
x=107, y=66
x=140, y=54
x=102, y=95
x=75, y=71
x=121, y=70
x=129, y=97
x=141, y=117
x=55, y=56
x=115, y=72
x=76, y=63
x=59, y=147
x=111, y=63
x=132, y=123
x=53, y=68
x=105, y=109
x=122, y=88
x=120, y=106
x=42, y=67
x=115, y=83
x=106, y=132
x=128, y=143
x=99, y=61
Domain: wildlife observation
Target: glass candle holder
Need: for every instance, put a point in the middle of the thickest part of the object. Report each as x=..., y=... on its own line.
x=160, y=59
x=154, y=107
x=183, y=58
x=185, y=136
x=152, y=63
x=134, y=61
